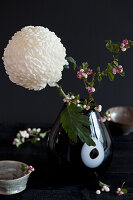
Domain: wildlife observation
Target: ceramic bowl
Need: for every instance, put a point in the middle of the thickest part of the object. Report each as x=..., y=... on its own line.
x=121, y=120
x=12, y=179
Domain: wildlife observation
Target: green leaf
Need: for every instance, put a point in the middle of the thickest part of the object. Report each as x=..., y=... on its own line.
x=74, y=66
x=85, y=66
x=66, y=66
x=124, y=190
x=77, y=96
x=18, y=135
x=85, y=102
x=98, y=69
x=111, y=76
x=104, y=73
x=110, y=67
x=75, y=123
x=42, y=135
x=122, y=74
x=23, y=140
x=116, y=63
x=33, y=141
x=71, y=60
x=18, y=144
x=113, y=47
x=91, y=83
x=101, y=184
x=14, y=175
x=23, y=168
x=99, y=78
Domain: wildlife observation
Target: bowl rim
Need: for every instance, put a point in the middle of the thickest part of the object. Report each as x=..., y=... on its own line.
x=11, y=180
x=123, y=123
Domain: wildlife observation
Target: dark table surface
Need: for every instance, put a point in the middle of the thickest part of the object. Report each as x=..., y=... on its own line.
x=44, y=184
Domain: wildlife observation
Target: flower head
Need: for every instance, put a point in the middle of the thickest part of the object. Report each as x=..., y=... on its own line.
x=118, y=69
x=34, y=57
x=30, y=168
x=15, y=141
x=91, y=89
x=81, y=74
x=123, y=44
x=24, y=134
x=98, y=108
x=90, y=71
x=67, y=99
x=119, y=192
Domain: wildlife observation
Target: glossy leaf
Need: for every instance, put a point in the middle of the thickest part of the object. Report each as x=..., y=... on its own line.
x=75, y=123
x=111, y=76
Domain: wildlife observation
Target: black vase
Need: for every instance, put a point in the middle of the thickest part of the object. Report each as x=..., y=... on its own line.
x=72, y=159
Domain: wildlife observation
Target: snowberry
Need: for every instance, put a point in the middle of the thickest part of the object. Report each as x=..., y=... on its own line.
x=98, y=192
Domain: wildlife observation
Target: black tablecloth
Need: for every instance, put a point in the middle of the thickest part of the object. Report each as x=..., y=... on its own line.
x=42, y=183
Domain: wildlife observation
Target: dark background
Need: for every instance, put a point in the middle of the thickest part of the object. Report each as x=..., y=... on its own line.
x=83, y=27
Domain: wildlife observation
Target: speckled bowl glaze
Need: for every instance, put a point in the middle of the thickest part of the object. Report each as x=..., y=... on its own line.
x=8, y=184
x=121, y=120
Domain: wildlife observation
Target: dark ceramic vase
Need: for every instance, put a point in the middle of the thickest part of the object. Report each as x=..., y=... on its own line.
x=79, y=158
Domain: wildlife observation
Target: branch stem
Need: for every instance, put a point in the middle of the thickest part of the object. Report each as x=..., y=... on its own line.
x=60, y=90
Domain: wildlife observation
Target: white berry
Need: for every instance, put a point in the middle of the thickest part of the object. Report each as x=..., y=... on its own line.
x=107, y=189
x=119, y=189
x=73, y=97
x=102, y=189
x=98, y=192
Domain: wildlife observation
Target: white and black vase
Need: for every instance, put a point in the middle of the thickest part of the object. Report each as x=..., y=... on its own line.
x=80, y=158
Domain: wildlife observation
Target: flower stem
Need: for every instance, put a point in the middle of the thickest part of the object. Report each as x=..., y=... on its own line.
x=59, y=88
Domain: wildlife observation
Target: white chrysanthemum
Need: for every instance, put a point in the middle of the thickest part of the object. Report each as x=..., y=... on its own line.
x=34, y=58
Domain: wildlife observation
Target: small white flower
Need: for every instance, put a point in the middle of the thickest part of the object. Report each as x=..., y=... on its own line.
x=84, y=106
x=67, y=99
x=34, y=129
x=78, y=101
x=98, y=192
x=24, y=134
x=38, y=130
x=72, y=97
x=107, y=189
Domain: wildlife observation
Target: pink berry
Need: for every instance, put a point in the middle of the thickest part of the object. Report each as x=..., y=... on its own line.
x=91, y=89
x=90, y=71
x=84, y=75
x=121, y=193
x=114, y=71
x=87, y=107
x=122, y=45
x=119, y=69
x=102, y=119
x=125, y=42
